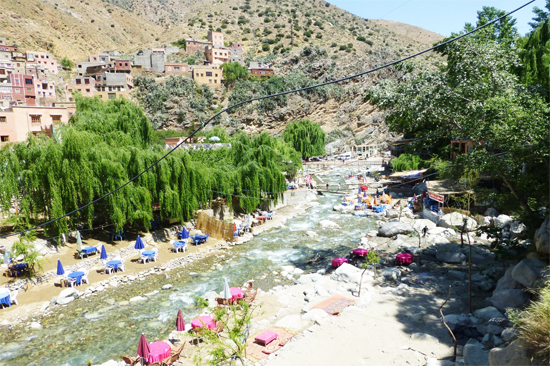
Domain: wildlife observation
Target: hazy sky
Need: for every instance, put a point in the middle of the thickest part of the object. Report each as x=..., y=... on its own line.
x=440, y=16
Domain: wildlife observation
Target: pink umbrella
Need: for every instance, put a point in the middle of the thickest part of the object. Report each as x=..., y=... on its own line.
x=235, y=226
x=143, y=347
x=180, y=324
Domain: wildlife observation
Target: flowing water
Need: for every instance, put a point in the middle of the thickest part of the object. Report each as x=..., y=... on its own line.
x=99, y=328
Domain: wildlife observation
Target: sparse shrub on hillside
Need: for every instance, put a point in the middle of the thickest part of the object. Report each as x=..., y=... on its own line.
x=333, y=44
x=265, y=47
x=318, y=36
x=66, y=63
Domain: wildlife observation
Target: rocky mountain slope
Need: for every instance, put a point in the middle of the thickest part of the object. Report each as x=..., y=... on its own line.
x=310, y=39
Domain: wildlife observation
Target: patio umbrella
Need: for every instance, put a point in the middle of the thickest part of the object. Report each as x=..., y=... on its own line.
x=139, y=243
x=364, y=193
x=358, y=190
x=60, y=270
x=103, y=253
x=184, y=233
x=7, y=258
x=143, y=347
x=364, y=188
x=79, y=243
x=180, y=324
x=214, y=138
x=226, y=290
x=234, y=226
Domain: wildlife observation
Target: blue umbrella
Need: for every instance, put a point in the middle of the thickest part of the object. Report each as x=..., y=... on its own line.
x=359, y=190
x=365, y=194
x=60, y=270
x=184, y=234
x=103, y=252
x=139, y=243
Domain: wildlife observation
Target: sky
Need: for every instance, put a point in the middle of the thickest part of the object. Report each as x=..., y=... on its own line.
x=439, y=16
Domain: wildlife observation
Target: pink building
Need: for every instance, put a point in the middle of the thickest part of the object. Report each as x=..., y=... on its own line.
x=176, y=68
x=17, y=122
x=43, y=58
x=83, y=84
x=18, y=89
x=236, y=49
x=45, y=92
x=216, y=56
x=193, y=45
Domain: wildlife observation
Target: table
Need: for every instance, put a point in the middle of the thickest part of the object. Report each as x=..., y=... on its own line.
x=88, y=250
x=203, y=321
x=77, y=275
x=114, y=263
x=404, y=258
x=5, y=298
x=148, y=253
x=266, y=337
x=236, y=293
x=200, y=238
x=360, y=251
x=179, y=244
x=16, y=269
x=262, y=218
x=337, y=262
x=158, y=351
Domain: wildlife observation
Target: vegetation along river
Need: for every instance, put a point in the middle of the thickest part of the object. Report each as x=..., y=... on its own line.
x=99, y=328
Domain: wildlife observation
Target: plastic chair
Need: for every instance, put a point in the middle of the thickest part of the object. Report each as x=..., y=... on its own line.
x=155, y=255
x=13, y=297
x=109, y=269
x=85, y=277
x=142, y=257
x=70, y=281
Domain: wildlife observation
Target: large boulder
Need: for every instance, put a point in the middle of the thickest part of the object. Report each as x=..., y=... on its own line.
x=513, y=298
x=528, y=271
x=491, y=212
x=422, y=223
x=449, y=253
x=327, y=224
x=67, y=295
x=542, y=237
x=474, y=355
x=513, y=355
x=456, y=219
x=348, y=273
x=503, y=220
x=507, y=282
x=518, y=229
x=488, y=313
x=390, y=229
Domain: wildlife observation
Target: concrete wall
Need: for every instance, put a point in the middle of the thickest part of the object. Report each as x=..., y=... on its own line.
x=157, y=62
x=144, y=60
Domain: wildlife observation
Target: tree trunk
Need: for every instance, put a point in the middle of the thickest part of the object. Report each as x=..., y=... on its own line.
x=361, y=282
x=516, y=196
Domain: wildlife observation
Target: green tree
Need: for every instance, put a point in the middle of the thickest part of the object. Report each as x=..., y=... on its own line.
x=476, y=96
x=306, y=137
x=233, y=71
x=66, y=63
x=540, y=15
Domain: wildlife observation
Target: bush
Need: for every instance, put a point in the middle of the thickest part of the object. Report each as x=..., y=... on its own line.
x=533, y=323
x=361, y=38
x=66, y=63
x=408, y=162
x=265, y=47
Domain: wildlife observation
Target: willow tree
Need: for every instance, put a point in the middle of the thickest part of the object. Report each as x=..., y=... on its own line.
x=306, y=137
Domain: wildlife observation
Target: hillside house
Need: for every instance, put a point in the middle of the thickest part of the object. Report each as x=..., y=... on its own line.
x=85, y=85
x=216, y=38
x=462, y=146
x=260, y=69
x=366, y=151
x=45, y=59
x=236, y=49
x=193, y=45
x=19, y=89
x=45, y=92
x=236, y=58
x=216, y=56
x=5, y=56
x=82, y=67
x=176, y=68
x=208, y=75
x=18, y=121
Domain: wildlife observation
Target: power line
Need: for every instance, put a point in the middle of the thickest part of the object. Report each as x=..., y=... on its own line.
x=204, y=124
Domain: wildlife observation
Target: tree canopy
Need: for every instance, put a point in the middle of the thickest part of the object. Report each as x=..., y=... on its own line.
x=233, y=71
x=306, y=137
x=108, y=143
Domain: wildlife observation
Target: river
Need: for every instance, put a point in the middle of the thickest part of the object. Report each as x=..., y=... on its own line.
x=99, y=328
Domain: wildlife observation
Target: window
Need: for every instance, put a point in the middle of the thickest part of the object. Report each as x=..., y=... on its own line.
x=56, y=118
x=4, y=138
x=28, y=81
x=35, y=118
x=100, y=96
x=176, y=68
x=216, y=75
x=210, y=81
x=209, y=73
x=169, y=68
x=3, y=119
x=78, y=81
x=126, y=64
x=86, y=81
x=215, y=81
x=111, y=95
x=87, y=90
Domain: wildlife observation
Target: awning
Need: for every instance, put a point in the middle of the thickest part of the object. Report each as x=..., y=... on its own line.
x=408, y=174
x=445, y=187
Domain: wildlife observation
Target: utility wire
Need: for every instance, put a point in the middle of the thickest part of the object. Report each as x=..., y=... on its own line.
x=204, y=124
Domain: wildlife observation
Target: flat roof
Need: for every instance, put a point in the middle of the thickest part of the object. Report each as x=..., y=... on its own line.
x=445, y=187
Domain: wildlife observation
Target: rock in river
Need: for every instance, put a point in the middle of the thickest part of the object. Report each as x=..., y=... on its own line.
x=390, y=229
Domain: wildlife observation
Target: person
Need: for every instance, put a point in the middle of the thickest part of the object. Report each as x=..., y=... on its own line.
x=327, y=186
x=377, y=193
x=425, y=230
x=338, y=187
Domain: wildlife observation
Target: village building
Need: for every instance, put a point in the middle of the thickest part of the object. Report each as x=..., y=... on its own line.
x=85, y=85
x=260, y=69
x=208, y=75
x=43, y=58
x=193, y=45
x=366, y=151
x=236, y=49
x=216, y=56
x=18, y=121
x=216, y=38
x=176, y=68
x=236, y=58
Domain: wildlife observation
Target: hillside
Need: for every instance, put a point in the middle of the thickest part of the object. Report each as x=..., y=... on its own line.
x=311, y=41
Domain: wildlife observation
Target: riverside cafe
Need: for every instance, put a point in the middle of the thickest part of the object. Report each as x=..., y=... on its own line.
x=439, y=197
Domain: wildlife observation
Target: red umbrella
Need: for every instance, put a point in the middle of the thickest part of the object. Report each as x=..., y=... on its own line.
x=364, y=188
x=143, y=347
x=180, y=324
x=234, y=226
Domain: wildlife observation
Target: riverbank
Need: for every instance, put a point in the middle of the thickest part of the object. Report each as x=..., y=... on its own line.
x=41, y=299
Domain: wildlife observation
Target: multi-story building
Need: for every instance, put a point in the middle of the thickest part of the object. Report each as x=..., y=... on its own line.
x=216, y=38
x=43, y=58
x=82, y=67
x=45, y=92
x=193, y=45
x=208, y=75
x=17, y=122
x=176, y=68
x=236, y=58
x=216, y=56
x=260, y=69
x=85, y=85
x=236, y=49
x=366, y=151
